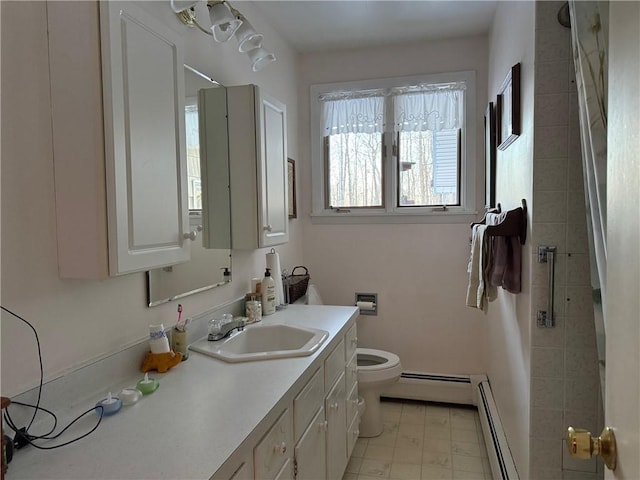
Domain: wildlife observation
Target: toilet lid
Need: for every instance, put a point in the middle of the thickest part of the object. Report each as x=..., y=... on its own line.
x=371, y=359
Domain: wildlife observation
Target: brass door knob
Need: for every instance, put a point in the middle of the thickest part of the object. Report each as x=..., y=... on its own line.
x=582, y=445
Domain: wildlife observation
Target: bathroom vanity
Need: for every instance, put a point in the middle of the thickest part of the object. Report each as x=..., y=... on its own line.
x=274, y=419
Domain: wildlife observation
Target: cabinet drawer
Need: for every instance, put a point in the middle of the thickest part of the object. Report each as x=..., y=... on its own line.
x=306, y=404
x=244, y=472
x=236, y=469
x=351, y=339
x=352, y=434
x=273, y=450
x=352, y=403
x=334, y=365
x=351, y=372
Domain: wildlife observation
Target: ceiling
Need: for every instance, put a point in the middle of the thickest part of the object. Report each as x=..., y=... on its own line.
x=312, y=26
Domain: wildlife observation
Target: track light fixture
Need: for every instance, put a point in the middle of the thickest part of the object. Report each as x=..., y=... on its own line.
x=220, y=20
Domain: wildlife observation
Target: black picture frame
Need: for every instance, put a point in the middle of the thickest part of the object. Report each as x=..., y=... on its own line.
x=490, y=155
x=508, y=114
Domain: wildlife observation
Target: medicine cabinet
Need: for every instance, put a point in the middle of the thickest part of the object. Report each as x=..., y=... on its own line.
x=117, y=95
x=207, y=181
x=118, y=132
x=257, y=133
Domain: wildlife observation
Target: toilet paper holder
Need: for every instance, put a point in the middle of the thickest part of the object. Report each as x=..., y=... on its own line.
x=368, y=303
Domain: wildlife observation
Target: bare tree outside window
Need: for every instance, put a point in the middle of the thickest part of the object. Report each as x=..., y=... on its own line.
x=355, y=170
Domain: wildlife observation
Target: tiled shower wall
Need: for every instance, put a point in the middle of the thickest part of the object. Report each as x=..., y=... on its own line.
x=564, y=370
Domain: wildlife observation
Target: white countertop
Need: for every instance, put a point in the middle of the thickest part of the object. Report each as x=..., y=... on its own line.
x=202, y=412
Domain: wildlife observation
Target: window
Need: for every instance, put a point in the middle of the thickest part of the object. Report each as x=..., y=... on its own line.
x=399, y=147
x=194, y=183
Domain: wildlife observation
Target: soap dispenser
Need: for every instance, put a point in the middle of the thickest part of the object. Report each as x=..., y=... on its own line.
x=226, y=275
x=268, y=288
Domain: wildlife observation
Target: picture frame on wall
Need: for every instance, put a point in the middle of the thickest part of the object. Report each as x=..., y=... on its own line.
x=508, y=109
x=291, y=182
x=490, y=155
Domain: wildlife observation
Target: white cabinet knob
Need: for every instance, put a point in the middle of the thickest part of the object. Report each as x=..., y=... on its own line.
x=281, y=448
x=356, y=433
x=191, y=235
x=323, y=426
x=334, y=406
x=268, y=228
x=354, y=341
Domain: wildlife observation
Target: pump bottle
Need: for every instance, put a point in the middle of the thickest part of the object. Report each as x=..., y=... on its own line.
x=268, y=288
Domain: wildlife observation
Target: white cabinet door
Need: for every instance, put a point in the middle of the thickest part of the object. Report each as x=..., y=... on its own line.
x=143, y=89
x=258, y=168
x=310, y=453
x=335, y=407
x=272, y=167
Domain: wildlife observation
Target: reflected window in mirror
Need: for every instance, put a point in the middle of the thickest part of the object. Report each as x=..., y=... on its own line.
x=193, y=153
x=206, y=269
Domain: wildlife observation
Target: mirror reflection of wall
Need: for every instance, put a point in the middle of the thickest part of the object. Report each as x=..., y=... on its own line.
x=205, y=270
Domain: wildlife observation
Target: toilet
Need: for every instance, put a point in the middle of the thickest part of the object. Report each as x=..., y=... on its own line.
x=377, y=370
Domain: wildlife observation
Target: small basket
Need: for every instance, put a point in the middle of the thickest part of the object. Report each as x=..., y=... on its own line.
x=297, y=284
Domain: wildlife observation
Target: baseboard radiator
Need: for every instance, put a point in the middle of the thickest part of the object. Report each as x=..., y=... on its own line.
x=465, y=390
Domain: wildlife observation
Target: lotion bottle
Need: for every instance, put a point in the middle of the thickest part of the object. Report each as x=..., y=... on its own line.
x=268, y=288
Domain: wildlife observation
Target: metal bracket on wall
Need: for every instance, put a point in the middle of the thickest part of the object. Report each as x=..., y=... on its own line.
x=547, y=254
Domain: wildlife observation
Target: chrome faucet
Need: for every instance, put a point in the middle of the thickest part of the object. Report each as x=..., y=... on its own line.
x=226, y=329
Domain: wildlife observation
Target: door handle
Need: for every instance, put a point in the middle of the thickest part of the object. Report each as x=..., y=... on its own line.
x=582, y=445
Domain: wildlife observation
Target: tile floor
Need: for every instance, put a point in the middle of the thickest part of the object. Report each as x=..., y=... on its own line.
x=422, y=441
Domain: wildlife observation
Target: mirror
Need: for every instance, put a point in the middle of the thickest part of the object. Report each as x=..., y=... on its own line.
x=208, y=187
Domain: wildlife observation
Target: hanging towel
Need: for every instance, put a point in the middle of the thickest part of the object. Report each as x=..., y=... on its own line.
x=507, y=264
x=479, y=291
x=506, y=261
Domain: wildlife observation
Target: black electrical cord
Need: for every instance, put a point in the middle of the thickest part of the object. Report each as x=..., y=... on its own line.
x=35, y=411
x=24, y=434
x=30, y=438
x=12, y=424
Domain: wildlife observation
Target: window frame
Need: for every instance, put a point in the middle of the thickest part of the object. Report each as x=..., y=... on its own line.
x=392, y=213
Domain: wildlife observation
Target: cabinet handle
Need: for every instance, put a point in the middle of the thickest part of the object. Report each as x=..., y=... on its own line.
x=268, y=228
x=356, y=433
x=355, y=401
x=324, y=425
x=191, y=235
x=354, y=341
x=281, y=449
x=334, y=406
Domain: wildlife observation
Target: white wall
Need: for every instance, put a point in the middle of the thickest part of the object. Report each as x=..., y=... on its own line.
x=81, y=321
x=418, y=271
x=511, y=40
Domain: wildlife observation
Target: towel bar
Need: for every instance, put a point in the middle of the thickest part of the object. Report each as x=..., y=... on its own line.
x=514, y=223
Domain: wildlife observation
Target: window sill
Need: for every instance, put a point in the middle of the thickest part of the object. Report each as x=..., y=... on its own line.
x=349, y=218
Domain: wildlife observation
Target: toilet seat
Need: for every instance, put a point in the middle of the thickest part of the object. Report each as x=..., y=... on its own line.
x=381, y=365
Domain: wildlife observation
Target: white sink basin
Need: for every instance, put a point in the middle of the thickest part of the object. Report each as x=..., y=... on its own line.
x=264, y=342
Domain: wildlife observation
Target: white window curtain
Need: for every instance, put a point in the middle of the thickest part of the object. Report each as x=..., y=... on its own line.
x=345, y=113
x=420, y=109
